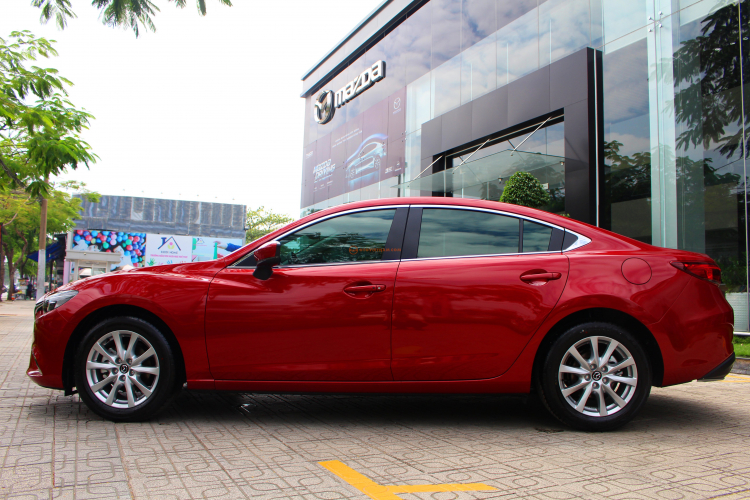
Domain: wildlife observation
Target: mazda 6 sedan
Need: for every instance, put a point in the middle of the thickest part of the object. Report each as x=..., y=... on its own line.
x=406, y=295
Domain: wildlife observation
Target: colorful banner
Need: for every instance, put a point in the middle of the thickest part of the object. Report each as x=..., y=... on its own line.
x=168, y=249
x=130, y=246
x=205, y=248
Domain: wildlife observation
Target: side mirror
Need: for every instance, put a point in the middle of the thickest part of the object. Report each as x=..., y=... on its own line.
x=268, y=255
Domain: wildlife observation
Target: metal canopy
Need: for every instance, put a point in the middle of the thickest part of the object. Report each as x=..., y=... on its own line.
x=491, y=168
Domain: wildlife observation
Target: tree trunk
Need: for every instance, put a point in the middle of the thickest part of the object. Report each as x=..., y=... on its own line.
x=11, y=272
x=42, y=258
x=2, y=263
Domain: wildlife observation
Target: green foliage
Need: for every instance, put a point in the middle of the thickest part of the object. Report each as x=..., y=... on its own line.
x=39, y=126
x=741, y=346
x=20, y=220
x=524, y=189
x=114, y=13
x=733, y=272
x=260, y=222
x=709, y=102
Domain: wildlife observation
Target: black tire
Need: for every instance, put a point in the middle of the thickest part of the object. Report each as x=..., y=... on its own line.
x=132, y=404
x=600, y=411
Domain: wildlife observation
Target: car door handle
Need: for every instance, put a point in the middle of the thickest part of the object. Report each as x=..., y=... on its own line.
x=528, y=278
x=368, y=289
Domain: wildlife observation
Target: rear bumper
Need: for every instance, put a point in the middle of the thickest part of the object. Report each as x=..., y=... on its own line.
x=720, y=371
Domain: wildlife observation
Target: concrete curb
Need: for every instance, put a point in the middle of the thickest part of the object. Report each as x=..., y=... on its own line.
x=741, y=366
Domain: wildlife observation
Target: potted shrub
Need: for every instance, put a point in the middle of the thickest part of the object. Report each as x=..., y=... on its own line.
x=524, y=189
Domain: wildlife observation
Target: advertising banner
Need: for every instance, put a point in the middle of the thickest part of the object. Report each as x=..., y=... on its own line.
x=130, y=246
x=205, y=248
x=168, y=249
x=367, y=149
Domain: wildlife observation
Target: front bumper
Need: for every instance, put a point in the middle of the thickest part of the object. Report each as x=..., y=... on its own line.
x=720, y=371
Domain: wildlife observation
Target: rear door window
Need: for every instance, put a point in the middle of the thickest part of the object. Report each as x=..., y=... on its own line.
x=451, y=232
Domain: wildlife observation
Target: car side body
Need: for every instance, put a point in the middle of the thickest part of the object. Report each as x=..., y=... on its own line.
x=683, y=323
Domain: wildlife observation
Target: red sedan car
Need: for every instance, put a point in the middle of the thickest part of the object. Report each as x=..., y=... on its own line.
x=407, y=295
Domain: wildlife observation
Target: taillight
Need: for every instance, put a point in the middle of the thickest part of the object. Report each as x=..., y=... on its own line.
x=704, y=270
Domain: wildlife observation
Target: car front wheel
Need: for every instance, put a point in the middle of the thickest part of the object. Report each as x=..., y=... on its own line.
x=124, y=369
x=596, y=377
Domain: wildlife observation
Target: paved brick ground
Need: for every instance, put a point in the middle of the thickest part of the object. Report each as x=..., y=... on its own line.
x=692, y=441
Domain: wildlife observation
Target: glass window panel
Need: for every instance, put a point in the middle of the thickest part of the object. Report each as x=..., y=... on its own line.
x=477, y=21
x=479, y=69
x=391, y=50
x=311, y=126
x=518, y=48
x=446, y=30
x=620, y=18
x=536, y=237
x=626, y=197
x=417, y=43
x=447, y=233
x=418, y=103
x=349, y=238
x=446, y=87
x=709, y=126
x=355, y=106
x=564, y=28
x=510, y=10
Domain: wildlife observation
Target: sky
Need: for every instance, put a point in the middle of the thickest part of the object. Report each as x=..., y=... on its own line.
x=204, y=109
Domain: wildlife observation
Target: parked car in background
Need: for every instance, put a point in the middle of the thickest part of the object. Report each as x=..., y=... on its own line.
x=406, y=295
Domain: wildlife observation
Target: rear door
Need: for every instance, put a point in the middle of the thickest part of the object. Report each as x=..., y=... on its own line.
x=472, y=288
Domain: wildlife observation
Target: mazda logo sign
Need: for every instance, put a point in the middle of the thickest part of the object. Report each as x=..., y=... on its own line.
x=326, y=103
x=323, y=107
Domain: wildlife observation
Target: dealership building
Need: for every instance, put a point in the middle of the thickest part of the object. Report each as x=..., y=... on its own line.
x=630, y=113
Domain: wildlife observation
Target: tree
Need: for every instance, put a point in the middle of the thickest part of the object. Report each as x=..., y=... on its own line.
x=114, y=13
x=524, y=189
x=20, y=220
x=38, y=140
x=261, y=221
x=41, y=139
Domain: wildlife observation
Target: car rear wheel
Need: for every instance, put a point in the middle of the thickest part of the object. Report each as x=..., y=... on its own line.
x=125, y=370
x=596, y=377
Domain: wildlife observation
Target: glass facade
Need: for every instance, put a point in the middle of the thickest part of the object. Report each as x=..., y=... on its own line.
x=673, y=106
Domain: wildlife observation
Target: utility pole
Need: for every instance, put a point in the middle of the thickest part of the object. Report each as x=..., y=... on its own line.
x=42, y=260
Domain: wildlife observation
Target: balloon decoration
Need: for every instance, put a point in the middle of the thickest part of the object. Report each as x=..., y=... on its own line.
x=132, y=245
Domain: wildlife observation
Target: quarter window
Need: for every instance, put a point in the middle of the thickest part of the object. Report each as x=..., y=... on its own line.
x=536, y=237
x=356, y=237
x=447, y=232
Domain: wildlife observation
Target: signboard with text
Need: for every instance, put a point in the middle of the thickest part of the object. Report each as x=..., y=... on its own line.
x=168, y=249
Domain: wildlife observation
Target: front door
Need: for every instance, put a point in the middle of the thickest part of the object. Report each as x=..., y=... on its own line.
x=469, y=302
x=324, y=314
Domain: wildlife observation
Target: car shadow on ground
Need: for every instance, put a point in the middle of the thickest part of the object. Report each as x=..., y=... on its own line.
x=663, y=411
x=498, y=412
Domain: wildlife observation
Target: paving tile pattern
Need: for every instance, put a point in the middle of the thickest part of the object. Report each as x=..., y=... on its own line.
x=691, y=441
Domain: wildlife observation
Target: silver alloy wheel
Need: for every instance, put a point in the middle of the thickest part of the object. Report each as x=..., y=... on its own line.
x=598, y=376
x=122, y=369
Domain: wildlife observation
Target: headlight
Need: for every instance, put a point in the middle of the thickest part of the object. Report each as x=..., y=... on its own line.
x=50, y=302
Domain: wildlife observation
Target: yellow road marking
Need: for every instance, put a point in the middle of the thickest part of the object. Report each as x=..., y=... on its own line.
x=388, y=492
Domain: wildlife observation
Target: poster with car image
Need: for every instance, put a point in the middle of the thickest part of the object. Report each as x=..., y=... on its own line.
x=358, y=153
